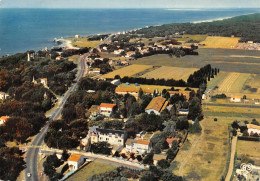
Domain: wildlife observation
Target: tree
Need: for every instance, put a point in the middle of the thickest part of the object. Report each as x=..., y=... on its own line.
x=148, y=159
x=163, y=164
x=169, y=128
x=101, y=147
x=139, y=158
x=195, y=110
x=64, y=155
x=255, y=122
x=196, y=128
x=169, y=176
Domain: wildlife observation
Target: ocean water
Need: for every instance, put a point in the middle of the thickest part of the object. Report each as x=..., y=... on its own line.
x=33, y=29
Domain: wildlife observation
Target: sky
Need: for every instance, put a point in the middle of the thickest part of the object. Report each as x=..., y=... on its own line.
x=130, y=3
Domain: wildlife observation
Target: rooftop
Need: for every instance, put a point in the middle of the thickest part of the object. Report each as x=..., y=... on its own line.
x=159, y=157
x=107, y=105
x=4, y=118
x=253, y=126
x=74, y=157
x=107, y=131
x=158, y=104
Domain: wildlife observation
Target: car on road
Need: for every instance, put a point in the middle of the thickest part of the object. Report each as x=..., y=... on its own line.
x=29, y=174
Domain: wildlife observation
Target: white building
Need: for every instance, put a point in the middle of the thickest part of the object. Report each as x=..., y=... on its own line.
x=113, y=137
x=138, y=145
x=3, y=95
x=75, y=161
x=3, y=119
x=106, y=109
x=117, y=52
x=44, y=82
x=235, y=99
x=116, y=82
x=253, y=129
x=77, y=36
x=157, y=105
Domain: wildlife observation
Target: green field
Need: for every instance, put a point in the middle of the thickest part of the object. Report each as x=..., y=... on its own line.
x=90, y=169
x=226, y=59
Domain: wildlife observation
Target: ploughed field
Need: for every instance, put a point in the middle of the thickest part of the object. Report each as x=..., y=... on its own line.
x=229, y=60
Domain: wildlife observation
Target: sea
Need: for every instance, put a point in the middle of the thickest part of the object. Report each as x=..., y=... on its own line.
x=34, y=29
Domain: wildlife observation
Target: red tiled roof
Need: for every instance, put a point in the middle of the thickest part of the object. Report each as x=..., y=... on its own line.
x=170, y=140
x=74, y=157
x=107, y=105
x=119, y=89
x=157, y=103
x=4, y=118
x=253, y=126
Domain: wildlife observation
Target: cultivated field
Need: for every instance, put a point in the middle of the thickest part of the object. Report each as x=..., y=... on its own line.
x=220, y=42
x=224, y=59
x=83, y=42
x=127, y=71
x=92, y=168
x=205, y=156
x=176, y=73
x=152, y=87
x=233, y=82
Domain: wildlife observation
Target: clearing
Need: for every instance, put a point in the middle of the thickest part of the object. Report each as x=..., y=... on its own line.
x=176, y=73
x=90, y=169
x=127, y=71
x=254, y=153
x=205, y=156
x=220, y=42
x=83, y=42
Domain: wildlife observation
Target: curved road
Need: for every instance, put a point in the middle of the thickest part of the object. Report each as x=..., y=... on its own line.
x=33, y=151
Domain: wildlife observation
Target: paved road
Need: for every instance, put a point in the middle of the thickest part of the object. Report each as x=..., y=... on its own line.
x=32, y=153
x=231, y=105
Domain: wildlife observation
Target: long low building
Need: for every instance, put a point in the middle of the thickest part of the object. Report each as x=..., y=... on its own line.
x=133, y=91
x=157, y=105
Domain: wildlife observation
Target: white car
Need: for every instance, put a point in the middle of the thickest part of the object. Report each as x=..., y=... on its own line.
x=29, y=174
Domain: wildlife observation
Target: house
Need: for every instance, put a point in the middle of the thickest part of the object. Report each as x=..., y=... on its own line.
x=253, y=129
x=75, y=161
x=77, y=36
x=183, y=111
x=95, y=71
x=170, y=140
x=92, y=112
x=123, y=62
x=157, y=157
x=113, y=137
x=59, y=58
x=186, y=94
x=106, y=109
x=204, y=96
x=157, y=105
x=138, y=145
x=123, y=91
x=235, y=99
x=3, y=95
x=116, y=82
x=44, y=82
x=117, y=52
x=130, y=54
x=3, y=119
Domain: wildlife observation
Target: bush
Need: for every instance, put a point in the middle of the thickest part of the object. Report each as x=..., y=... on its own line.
x=215, y=119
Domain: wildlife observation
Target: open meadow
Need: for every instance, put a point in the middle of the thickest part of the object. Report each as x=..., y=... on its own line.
x=90, y=169
x=220, y=42
x=84, y=42
x=254, y=153
x=130, y=70
x=188, y=37
x=153, y=87
x=229, y=60
x=176, y=73
x=205, y=156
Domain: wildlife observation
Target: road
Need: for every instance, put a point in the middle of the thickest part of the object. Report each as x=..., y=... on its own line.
x=232, y=158
x=32, y=153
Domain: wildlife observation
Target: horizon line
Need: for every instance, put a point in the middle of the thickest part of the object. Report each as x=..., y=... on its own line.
x=167, y=8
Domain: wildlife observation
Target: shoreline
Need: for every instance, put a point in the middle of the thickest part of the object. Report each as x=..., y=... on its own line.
x=67, y=44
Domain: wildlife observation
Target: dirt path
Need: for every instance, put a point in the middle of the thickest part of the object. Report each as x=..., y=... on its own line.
x=190, y=152
x=232, y=157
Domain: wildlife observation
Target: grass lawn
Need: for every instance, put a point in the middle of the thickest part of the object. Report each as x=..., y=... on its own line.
x=93, y=168
x=160, y=88
x=244, y=146
x=224, y=59
x=233, y=109
x=127, y=71
x=83, y=42
x=205, y=156
x=74, y=58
